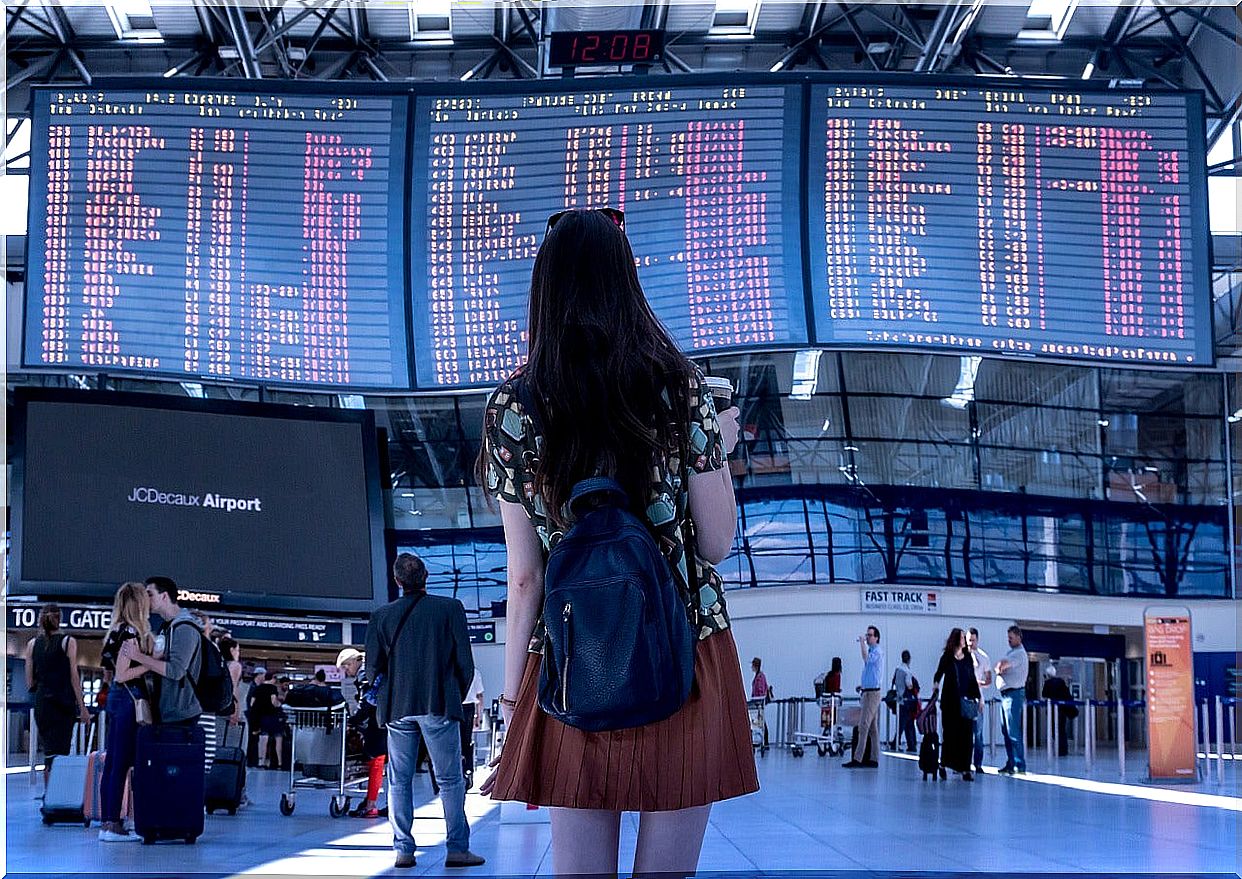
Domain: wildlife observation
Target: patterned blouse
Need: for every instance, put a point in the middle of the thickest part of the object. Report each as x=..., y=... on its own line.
x=513, y=450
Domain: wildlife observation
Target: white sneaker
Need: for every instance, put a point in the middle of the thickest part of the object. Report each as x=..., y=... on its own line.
x=113, y=836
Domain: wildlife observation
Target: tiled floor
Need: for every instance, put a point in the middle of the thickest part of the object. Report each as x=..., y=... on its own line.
x=810, y=815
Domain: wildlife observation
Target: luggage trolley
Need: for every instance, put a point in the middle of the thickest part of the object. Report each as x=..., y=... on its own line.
x=319, y=745
x=830, y=740
x=756, y=708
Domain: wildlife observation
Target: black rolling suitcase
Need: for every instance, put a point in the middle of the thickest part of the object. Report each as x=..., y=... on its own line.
x=929, y=749
x=227, y=778
x=169, y=782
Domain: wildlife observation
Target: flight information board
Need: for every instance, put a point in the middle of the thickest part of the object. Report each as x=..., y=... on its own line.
x=1010, y=220
x=707, y=177
x=219, y=235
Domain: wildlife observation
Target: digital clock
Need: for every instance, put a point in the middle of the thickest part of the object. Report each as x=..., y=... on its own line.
x=583, y=48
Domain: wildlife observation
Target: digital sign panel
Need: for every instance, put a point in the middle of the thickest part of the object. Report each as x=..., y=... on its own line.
x=1010, y=220
x=707, y=177
x=243, y=505
x=244, y=235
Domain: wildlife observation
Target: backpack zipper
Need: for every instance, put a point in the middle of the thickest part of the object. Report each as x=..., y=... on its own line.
x=565, y=614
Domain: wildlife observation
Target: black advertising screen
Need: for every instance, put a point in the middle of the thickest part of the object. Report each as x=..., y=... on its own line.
x=263, y=506
x=245, y=235
x=706, y=175
x=1010, y=220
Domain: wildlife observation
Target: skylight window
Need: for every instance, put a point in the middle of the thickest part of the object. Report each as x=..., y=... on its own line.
x=734, y=18
x=431, y=20
x=1048, y=19
x=133, y=20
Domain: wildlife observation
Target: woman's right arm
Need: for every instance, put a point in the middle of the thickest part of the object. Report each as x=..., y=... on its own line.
x=127, y=670
x=712, y=504
x=525, y=575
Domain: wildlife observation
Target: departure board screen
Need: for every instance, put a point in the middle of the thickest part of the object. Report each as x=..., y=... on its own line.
x=1022, y=221
x=224, y=234
x=707, y=177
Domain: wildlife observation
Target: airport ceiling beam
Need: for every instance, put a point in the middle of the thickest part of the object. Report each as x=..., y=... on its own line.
x=1188, y=53
x=936, y=40
x=242, y=41
x=863, y=43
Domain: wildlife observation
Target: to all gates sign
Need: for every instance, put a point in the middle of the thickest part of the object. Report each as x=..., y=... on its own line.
x=77, y=619
x=900, y=601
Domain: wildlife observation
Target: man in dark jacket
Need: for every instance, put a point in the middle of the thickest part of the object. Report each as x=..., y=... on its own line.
x=420, y=646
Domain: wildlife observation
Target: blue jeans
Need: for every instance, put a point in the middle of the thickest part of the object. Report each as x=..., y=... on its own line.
x=1013, y=704
x=443, y=737
x=905, y=723
x=979, y=722
x=122, y=748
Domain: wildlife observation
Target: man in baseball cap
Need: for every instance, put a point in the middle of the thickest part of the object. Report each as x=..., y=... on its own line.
x=350, y=661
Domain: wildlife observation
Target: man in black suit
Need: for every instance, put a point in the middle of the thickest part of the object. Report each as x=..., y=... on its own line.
x=420, y=646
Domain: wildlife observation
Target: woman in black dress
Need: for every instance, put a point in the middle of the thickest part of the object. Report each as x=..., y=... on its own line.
x=961, y=691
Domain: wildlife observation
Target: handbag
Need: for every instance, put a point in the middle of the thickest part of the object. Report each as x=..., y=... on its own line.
x=970, y=708
x=142, y=708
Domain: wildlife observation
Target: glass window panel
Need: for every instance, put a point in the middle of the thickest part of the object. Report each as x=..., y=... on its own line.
x=1037, y=384
x=1125, y=390
x=1031, y=427
x=910, y=463
x=915, y=418
x=917, y=375
x=1052, y=473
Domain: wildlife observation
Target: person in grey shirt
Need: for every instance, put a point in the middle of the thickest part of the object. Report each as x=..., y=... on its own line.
x=177, y=658
x=907, y=701
x=1011, y=674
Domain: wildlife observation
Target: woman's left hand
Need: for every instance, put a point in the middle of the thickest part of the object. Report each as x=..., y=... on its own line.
x=488, y=786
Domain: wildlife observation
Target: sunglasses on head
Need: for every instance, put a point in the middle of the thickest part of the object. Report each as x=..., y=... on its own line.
x=617, y=217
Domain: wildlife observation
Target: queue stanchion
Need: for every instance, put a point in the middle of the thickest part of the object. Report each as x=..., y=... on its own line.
x=1121, y=738
x=991, y=706
x=1049, y=731
x=1220, y=742
x=1205, y=737
x=1233, y=726
x=33, y=745
x=1088, y=733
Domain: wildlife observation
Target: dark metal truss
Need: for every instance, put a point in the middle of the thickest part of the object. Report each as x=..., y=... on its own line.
x=256, y=39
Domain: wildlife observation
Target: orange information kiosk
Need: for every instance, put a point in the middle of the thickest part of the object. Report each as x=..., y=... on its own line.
x=1170, y=690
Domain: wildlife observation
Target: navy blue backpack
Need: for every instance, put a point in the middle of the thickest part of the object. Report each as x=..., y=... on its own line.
x=619, y=651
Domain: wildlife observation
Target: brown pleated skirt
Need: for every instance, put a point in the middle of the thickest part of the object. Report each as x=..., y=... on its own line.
x=700, y=755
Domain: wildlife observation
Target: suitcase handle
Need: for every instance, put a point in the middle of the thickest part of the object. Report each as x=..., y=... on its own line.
x=82, y=748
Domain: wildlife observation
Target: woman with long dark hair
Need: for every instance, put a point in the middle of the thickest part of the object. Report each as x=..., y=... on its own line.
x=613, y=396
x=961, y=692
x=52, y=676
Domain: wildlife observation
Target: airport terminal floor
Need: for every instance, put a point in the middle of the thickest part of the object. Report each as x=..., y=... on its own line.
x=809, y=815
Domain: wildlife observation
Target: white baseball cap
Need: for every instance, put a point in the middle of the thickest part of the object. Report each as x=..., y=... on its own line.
x=346, y=655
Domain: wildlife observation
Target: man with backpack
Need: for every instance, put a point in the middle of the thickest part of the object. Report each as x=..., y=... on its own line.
x=178, y=657
x=418, y=649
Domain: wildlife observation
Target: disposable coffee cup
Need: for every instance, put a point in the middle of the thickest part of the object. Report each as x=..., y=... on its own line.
x=721, y=390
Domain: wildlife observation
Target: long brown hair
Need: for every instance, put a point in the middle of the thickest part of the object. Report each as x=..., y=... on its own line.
x=611, y=389
x=954, y=641
x=132, y=607
x=49, y=619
